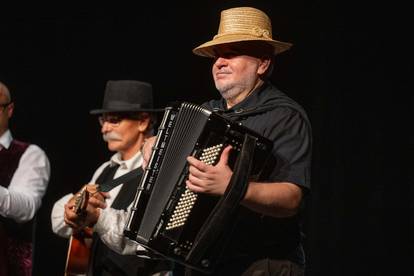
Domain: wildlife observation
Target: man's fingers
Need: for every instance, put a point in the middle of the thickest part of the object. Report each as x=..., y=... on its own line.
x=96, y=203
x=194, y=171
x=200, y=165
x=92, y=188
x=102, y=196
x=71, y=223
x=70, y=217
x=194, y=188
x=225, y=155
x=195, y=180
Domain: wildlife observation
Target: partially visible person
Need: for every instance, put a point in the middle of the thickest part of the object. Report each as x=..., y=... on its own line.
x=24, y=176
x=126, y=119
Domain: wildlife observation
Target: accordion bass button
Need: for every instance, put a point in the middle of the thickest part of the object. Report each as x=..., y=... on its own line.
x=205, y=263
x=177, y=251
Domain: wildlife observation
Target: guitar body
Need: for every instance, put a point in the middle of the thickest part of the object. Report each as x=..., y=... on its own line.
x=79, y=251
x=80, y=243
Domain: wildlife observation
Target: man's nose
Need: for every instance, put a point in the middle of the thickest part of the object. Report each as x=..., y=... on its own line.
x=106, y=127
x=220, y=62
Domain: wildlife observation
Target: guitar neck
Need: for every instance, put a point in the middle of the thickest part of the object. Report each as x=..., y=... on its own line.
x=82, y=198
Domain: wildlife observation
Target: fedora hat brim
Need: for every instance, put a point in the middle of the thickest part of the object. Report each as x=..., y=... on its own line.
x=120, y=109
x=124, y=109
x=208, y=49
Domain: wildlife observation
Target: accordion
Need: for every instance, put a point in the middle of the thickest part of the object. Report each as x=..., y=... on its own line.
x=166, y=217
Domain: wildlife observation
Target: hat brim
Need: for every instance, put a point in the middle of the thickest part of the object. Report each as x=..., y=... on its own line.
x=207, y=49
x=116, y=110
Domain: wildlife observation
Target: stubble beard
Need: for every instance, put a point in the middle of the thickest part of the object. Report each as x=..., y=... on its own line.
x=229, y=91
x=232, y=90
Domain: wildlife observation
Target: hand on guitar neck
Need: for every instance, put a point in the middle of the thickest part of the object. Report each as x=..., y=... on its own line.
x=81, y=213
x=83, y=209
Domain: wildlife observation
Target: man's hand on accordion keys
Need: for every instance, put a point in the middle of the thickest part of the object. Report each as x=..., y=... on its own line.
x=209, y=179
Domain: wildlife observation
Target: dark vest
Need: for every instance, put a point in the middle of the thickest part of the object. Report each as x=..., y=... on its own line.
x=9, y=161
x=107, y=262
x=15, y=238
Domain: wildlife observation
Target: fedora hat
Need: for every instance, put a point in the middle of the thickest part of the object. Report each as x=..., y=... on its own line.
x=127, y=96
x=242, y=24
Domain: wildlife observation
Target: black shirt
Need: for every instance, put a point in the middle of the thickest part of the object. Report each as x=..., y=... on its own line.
x=274, y=115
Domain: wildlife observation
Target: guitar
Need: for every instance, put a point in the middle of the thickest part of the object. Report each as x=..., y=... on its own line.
x=78, y=256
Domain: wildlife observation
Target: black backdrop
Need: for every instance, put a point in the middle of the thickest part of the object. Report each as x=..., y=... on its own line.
x=349, y=69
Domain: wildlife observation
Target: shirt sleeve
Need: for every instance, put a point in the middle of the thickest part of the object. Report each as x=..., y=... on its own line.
x=292, y=142
x=110, y=228
x=23, y=197
x=59, y=226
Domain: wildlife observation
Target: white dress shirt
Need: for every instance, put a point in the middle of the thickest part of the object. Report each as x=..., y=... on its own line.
x=111, y=222
x=23, y=197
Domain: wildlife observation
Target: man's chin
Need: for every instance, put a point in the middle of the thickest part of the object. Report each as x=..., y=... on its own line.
x=113, y=145
x=227, y=94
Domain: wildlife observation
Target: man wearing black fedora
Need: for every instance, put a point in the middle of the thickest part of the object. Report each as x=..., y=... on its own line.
x=126, y=119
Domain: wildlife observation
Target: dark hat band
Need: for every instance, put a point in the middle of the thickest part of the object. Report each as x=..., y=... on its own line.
x=123, y=105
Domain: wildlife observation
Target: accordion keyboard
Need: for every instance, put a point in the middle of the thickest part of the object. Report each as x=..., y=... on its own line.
x=209, y=156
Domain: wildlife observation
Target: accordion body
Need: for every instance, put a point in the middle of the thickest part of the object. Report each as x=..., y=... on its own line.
x=166, y=216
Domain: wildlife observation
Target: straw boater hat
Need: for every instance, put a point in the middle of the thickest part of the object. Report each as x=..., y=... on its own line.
x=242, y=24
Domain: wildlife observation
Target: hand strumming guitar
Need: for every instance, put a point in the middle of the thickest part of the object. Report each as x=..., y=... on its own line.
x=83, y=209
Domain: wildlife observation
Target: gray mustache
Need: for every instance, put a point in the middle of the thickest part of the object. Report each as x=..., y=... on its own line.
x=111, y=136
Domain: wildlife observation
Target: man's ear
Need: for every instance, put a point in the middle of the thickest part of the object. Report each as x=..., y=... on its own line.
x=144, y=124
x=263, y=66
x=10, y=109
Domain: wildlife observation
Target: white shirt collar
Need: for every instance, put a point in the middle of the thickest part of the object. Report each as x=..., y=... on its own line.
x=6, y=139
x=130, y=164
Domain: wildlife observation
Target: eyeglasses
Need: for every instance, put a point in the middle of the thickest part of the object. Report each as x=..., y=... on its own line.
x=3, y=106
x=115, y=119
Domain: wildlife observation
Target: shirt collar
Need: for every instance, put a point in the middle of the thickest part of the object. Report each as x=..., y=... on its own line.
x=130, y=164
x=6, y=139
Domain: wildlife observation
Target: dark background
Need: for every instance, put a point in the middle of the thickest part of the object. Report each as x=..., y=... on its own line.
x=349, y=68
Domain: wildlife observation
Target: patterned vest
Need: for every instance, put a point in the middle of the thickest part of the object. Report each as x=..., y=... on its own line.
x=9, y=161
x=16, y=238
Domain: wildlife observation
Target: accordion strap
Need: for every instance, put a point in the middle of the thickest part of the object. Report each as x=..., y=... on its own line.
x=221, y=219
